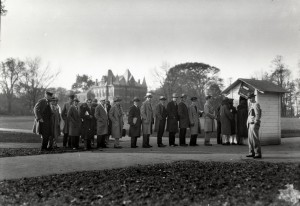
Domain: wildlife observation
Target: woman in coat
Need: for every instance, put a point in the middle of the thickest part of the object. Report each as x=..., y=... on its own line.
x=195, y=127
x=55, y=123
x=74, y=124
x=242, y=115
x=134, y=121
x=226, y=117
x=116, y=117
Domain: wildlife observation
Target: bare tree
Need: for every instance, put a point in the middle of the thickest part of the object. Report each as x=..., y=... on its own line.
x=160, y=77
x=11, y=71
x=35, y=80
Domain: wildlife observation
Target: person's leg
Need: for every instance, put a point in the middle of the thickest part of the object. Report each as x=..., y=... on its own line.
x=145, y=141
x=256, y=141
x=148, y=140
x=250, y=141
x=117, y=143
x=65, y=139
x=133, y=142
x=99, y=141
x=44, y=141
x=181, y=136
x=219, y=137
x=207, y=139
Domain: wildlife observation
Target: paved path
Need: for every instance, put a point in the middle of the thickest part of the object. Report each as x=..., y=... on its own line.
x=30, y=166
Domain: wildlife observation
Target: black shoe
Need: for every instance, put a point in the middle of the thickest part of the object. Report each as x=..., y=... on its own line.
x=249, y=155
x=146, y=146
x=183, y=145
x=162, y=145
x=134, y=146
x=233, y=143
x=118, y=147
x=207, y=144
x=149, y=145
x=257, y=157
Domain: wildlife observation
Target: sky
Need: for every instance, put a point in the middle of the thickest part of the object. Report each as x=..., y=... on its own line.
x=240, y=37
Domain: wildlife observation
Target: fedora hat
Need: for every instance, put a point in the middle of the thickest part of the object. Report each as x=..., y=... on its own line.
x=162, y=98
x=174, y=95
x=117, y=99
x=48, y=92
x=76, y=99
x=136, y=99
x=148, y=95
x=194, y=98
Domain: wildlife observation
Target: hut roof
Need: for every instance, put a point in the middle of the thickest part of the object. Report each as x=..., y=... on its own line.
x=261, y=85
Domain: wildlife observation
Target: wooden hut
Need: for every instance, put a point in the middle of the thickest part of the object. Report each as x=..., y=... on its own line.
x=268, y=95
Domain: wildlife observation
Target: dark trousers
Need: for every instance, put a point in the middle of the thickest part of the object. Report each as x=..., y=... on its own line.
x=74, y=141
x=45, y=140
x=87, y=141
x=172, y=138
x=133, y=141
x=66, y=140
x=160, y=132
x=219, y=136
x=101, y=141
x=146, y=139
x=182, y=133
x=193, y=140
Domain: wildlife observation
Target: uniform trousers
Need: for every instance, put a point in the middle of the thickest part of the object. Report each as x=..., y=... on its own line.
x=253, y=140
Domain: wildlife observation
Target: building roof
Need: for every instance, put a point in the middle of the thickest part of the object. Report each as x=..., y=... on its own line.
x=260, y=85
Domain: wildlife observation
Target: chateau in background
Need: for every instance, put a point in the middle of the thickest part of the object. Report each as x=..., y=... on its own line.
x=124, y=86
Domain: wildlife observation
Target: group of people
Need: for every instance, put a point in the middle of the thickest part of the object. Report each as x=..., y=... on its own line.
x=89, y=119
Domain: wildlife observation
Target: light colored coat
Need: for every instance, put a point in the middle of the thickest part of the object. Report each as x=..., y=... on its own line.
x=102, y=120
x=116, y=117
x=195, y=127
x=254, y=114
x=147, y=117
x=209, y=122
x=74, y=121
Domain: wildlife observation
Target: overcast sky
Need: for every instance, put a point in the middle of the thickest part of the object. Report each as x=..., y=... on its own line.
x=90, y=36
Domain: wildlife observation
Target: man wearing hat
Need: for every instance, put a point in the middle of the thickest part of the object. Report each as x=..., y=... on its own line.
x=184, y=121
x=116, y=117
x=64, y=116
x=94, y=121
x=108, y=106
x=87, y=123
x=55, y=122
x=195, y=126
x=74, y=123
x=172, y=121
x=253, y=123
x=209, y=120
x=42, y=112
x=101, y=116
x=160, y=119
x=134, y=121
x=147, y=120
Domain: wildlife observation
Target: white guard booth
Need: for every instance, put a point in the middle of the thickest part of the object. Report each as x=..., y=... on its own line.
x=268, y=95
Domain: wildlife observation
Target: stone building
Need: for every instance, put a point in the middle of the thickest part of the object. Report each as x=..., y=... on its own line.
x=124, y=86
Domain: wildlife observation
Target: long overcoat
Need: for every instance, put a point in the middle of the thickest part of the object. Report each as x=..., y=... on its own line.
x=94, y=121
x=102, y=120
x=195, y=127
x=160, y=116
x=55, y=121
x=134, y=128
x=147, y=117
x=116, y=117
x=86, y=116
x=64, y=116
x=74, y=121
x=226, y=117
x=209, y=122
x=43, y=111
x=172, y=121
x=242, y=115
x=183, y=114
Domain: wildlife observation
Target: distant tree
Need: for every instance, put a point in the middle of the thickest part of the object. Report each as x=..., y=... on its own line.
x=83, y=82
x=160, y=76
x=3, y=11
x=194, y=79
x=11, y=71
x=34, y=81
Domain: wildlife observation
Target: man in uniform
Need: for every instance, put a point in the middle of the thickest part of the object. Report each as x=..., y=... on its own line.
x=172, y=121
x=253, y=123
x=184, y=122
x=42, y=112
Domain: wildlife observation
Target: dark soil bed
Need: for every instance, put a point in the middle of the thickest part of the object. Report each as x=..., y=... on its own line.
x=179, y=183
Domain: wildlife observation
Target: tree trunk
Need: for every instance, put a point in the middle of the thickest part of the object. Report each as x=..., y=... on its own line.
x=9, y=101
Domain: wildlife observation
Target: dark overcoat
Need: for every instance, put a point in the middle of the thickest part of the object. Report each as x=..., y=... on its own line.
x=94, y=121
x=242, y=115
x=225, y=117
x=64, y=116
x=183, y=114
x=172, y=121
x=74, y=121
x=42, y=110
x=134, y=128
x=86, y=116
x=160, y=116
x=102, y=120
x=233, y=120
